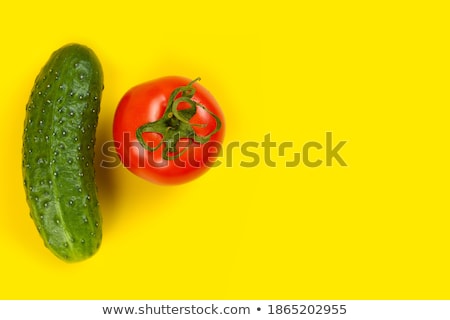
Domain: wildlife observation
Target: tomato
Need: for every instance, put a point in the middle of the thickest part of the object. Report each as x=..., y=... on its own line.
x=168, y=130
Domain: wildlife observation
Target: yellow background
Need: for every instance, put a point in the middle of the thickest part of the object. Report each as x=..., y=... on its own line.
x=375, y=73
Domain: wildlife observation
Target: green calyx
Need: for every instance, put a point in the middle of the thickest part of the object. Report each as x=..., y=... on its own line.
x=174, y=124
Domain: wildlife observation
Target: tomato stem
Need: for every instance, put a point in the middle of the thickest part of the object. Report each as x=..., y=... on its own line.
x=175, y=124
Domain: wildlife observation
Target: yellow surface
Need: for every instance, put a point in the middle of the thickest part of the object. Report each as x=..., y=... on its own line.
x=375, y=74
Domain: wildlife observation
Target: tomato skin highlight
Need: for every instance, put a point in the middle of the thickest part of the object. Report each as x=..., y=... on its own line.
x=147, y=103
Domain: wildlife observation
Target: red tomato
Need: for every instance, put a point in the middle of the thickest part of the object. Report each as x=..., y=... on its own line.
x=168, y=130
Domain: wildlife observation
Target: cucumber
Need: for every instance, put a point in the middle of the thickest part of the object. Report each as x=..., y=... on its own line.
x=58, y=153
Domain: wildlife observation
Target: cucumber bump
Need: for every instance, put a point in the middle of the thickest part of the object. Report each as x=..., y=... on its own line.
x=58, y=153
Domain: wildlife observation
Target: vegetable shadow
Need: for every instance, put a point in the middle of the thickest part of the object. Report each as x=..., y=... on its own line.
x=105, y=176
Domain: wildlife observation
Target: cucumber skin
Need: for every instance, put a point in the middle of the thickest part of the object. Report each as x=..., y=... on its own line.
x=58, y=153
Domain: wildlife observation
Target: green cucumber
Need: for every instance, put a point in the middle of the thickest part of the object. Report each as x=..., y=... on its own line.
x=58, y=153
